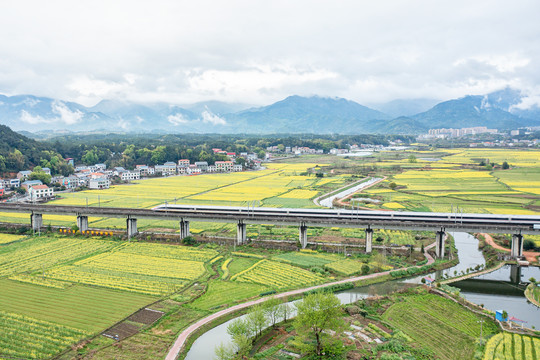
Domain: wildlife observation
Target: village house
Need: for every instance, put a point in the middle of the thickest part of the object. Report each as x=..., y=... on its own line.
x=224, y=166
x=24, y=174
x=99, y=183
x=203, y=165
x=40, y=192
x=183, y=163
x=27, y=184
x=130, y=175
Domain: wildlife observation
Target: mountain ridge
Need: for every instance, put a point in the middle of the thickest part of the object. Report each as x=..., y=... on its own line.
x=295, y=114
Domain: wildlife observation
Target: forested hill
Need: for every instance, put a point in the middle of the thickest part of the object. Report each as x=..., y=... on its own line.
x=18, y=152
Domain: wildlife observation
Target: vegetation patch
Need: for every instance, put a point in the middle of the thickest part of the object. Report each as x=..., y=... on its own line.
x=444, y=327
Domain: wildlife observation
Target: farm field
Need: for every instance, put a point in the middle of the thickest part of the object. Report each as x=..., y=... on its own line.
x=76, y=287
x=456, y=183
x=428, y=318
x=508, y=346
x=277, y=275
x=226, y=292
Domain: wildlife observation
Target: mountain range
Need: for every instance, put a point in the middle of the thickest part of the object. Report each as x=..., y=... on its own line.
x=296, y=114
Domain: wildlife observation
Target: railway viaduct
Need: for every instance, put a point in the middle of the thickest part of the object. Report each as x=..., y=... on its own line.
x=440, y=223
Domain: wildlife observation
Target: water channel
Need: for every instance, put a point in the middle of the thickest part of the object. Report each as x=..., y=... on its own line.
x=498, y=290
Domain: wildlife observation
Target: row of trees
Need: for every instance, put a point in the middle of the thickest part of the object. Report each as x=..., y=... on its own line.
x=315, y=315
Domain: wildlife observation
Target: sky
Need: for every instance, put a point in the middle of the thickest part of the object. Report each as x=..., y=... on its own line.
x=258, y=52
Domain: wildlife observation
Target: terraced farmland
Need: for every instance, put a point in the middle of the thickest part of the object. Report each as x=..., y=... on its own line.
x=429, y=318
x=277, y=275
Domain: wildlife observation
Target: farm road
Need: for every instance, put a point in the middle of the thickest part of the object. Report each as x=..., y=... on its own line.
x=529, y=255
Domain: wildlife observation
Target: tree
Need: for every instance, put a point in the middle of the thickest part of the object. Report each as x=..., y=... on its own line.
x=272, y=311
x=256, y=321
x=241, y=161
x=318, y=313
x=40, y=175
x=412, y=159
x=393, y=185
x=505, y=165
x=241, y=334
x=284, y=310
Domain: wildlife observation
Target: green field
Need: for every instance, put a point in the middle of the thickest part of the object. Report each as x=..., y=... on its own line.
x=441, y=325
x=226, y=292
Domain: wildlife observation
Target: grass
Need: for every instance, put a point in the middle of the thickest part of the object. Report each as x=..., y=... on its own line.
x=239, y=264
x=305, y=259
x=441, y=325
x=224, y=292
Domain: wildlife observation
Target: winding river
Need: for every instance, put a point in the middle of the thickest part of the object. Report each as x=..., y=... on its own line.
x=498, y=290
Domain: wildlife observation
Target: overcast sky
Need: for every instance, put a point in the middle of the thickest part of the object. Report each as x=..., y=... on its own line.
x=258, y=52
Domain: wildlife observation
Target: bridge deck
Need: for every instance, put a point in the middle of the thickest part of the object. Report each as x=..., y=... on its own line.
x=492, y=223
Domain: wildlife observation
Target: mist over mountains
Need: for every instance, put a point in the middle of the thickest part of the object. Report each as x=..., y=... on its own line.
x=505, y=109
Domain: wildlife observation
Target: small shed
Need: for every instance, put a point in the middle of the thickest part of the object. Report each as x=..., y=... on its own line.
x=499, y=315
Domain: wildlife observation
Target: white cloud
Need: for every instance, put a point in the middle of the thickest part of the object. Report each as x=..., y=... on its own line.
x=213, y=119
x=177, y=119
x=66, y=115
x=31, y=119
x=259, y=52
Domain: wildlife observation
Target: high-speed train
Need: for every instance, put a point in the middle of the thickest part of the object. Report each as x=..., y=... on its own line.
x=529, y=221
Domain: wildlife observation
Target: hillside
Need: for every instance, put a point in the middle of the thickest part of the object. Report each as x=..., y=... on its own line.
x=18, y=152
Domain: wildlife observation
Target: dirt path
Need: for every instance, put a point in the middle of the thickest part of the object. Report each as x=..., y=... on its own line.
x=180, y=341
x=531, y=256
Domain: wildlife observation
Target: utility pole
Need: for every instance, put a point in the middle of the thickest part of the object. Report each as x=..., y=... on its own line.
x=481, y=330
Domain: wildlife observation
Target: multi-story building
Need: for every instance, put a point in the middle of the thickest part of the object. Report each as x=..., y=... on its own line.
x=130, y=175
x=203, y=165
x=99, y=183
x=183, y=163
x=224, y=166
x=40, y=192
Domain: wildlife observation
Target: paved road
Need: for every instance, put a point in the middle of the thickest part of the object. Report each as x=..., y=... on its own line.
x=180, y=341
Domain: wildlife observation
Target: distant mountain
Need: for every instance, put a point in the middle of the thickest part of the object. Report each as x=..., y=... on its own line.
x=28, y=112
x=405, y=107
x=504, y=109
x=307, y=114
x=216, y=107
x=489, y=110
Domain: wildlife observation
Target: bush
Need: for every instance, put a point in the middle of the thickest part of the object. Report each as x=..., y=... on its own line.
x=529, y=245
x=188, y=240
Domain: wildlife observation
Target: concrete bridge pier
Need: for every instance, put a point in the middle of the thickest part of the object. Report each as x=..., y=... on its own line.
x=184, y=229
x=131, y=227
x=241, y=237
x=36, y=220
x=369, y=240
x=439, y=247
x=303, y=235
x=515, y=274
x=517, y=246
x=82, y=222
